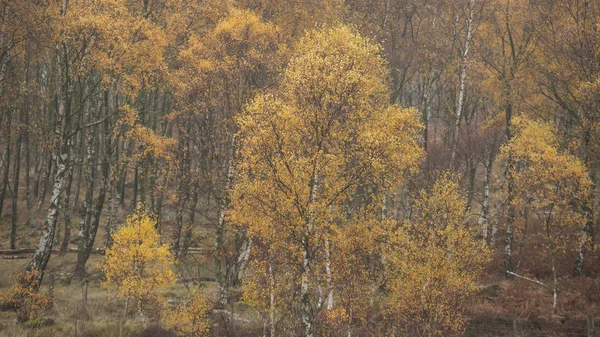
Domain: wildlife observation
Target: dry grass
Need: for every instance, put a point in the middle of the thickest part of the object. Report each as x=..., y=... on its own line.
x=104, y=308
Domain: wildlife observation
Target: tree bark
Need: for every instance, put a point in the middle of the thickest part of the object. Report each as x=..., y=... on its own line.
x=7, y=158
x=44, y=182
x=271, y=296
x=87, y=242
x=67, y=209
x=222, y=276
x=307, y=312
x=182, y=188
x=41, y=256
x=485, y=206
x=586, y=239
x=462, y=81
x=191, y=221
x=15, y=192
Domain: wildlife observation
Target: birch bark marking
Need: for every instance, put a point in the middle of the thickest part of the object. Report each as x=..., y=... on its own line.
x=223, y=279
x=271, y=296
x=483, y=218
x=463, y=78
x=40, y=258
x=307, y=314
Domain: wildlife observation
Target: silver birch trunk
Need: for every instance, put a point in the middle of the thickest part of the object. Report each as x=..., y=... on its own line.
x=329, y=277
x=483, y=217
x=271, y=298
x=307, y=314
x=221, y=277
x=40, y=258
x=244, y=257
x=586, y=239
x=462, y=81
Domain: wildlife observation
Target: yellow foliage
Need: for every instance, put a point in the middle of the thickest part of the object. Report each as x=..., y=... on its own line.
x=190, y=318
x=24, y=296
x=137, y=264
x=438, y=260
x=327, y=131
x=545, y=178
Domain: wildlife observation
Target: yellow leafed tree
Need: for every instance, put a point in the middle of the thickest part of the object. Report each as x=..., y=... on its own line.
x=326, y=133
x=137, y=264
x=551, y=183
x=190, y=318
x=438, y=260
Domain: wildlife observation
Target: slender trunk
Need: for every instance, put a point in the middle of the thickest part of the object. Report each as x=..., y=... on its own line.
x=86, y=207
x=134, y=195
x=587, y=235
x=304, y=295
x=44, y=182
x=27, y=164
x=66, y=205
x=7, y=158
x=483, y=217
x=113, y=205
x=508, y=266
x=39, y=163
x=113, y=196
x=142, y=180
x=41, y=256
x=87, y=243
x=191, y=218
x=472, y=172
x=80, y=169
x=220, y=249
x=152, y=173
x=307, y=313
x=243, y=258
x=494, y=229
x=182, y=188
x=109, y=208
x=554, y=285
x=127, y=146
x=15, y=194
x=271, y=297
x=328, y=271
x=462, y=81
x=552, y=247
x=350, y=323
x=508, y=175
x=159, y=198
x=125, y=310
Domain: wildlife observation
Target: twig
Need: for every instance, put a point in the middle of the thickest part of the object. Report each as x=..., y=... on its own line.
x=526, y=278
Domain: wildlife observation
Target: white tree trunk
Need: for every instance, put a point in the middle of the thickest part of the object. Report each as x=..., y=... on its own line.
x=306, y=310
x=40, y=258
x=329, y=277
x=244, y=257
x=483, y=218
x=463, y=78
x=307, y=314
x=271, y=299
x=221, y=277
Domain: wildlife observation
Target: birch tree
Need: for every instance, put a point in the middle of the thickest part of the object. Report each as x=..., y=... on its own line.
x=553, y=183
x=327, y=129
x=438, y=260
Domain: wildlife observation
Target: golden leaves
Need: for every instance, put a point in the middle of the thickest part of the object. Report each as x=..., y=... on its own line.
x=305, y=149
x=24, y=296
x=438, y=259
x=190, y=319
x=546, y=179
x=137, y=263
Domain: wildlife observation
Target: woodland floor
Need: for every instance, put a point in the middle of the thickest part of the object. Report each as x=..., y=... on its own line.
x=499, y=308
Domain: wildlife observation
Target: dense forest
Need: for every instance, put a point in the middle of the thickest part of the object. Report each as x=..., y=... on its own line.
x=299, y=168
